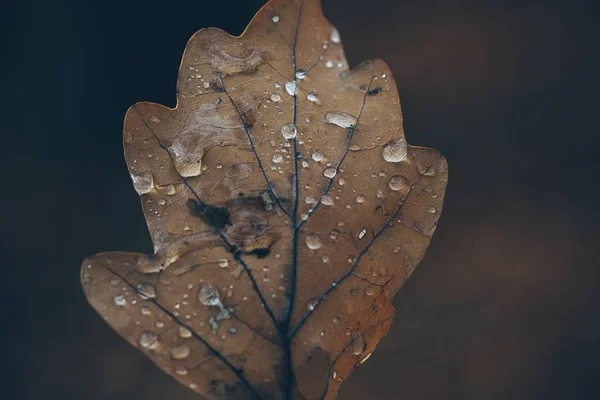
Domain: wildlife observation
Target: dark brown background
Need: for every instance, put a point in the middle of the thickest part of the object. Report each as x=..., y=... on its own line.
x=504, y=306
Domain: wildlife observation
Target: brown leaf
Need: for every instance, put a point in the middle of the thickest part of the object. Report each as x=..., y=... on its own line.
x=285, y=208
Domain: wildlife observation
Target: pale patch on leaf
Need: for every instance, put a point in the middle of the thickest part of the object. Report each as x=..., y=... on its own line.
x=285, y=208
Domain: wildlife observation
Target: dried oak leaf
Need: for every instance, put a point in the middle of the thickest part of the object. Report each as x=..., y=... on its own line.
x=285, y=207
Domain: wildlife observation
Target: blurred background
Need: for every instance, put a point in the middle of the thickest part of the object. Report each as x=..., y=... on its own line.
x=504, y=305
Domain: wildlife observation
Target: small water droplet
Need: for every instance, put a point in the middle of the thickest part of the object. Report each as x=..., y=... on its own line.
x=397, y=249
x=312, y=304
x=148, y=339
x=275, y=18
x=304, y=164
x=334, y=234
x=312, y=96
x=143, y=182
x=341, y=119
x=146, y=310
x=360, y=199
x=184, y=332
x=362, y=233
x=335, y=35
x=313, y=241
x=120, y=301
x=329, y=172
x=300, y=74
x=431, y=210
x=291, y=87
x=223, y=263
x=369, y=291
x=209, y=295
x=181, y=371
x=289, y=131
x=180, y=352
x=395, y=150
x=277, y=158
x=325, y=258
x=329, y=64
x=275, y=97
x=170, y=190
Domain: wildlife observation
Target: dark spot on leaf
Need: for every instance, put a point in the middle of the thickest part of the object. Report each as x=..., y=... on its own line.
x=217, y=217
x=374, y=92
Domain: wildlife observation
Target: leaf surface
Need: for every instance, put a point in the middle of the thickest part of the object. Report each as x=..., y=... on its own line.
x=285, y=206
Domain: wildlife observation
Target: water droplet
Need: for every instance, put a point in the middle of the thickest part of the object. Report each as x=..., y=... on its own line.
x=329, y=172
x=148, y=339
x=312, y=96
x=327, y=200
x=335, y=35
x=275, y=97
x=325, y=258
x=360, y=199
x=181, y=371
x=312, y=304
x=304, y=164
x=184, y=332
x=146, y=310
x=143, y=182
x=431, y=210
x=397, y=183
x=223, y=263
x=369, y=291
x=300, y=74
x=291, y=87
x=289, y=131
x=187, y=156
x=397, y=249
x=395, y=150
x=155, y=119
x=120, y=301
x=362, y=233
x=334, y=234
x=209, y=295
x=232, y=330
x=340, y=119
x=180, y=352
x=275, y=18
x=313, y=241
x=146, y=291
x=317, y=155
x=277, y=158
x=170, y=190
x=359, y=345
x=329, y=64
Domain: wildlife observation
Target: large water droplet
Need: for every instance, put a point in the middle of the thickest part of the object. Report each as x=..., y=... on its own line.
x=313, y=241
x=289, y=131
x=359, y=345
x=187, y=156
x=335, y=35
x=317, y=155
x=397, y=183
x=327, y=200
x=180, y=352
x=275, y=97
x=143, y=182
x=209, y=295
x=146, y=291
x=148, y=339
x=395, y=150
x=291, y=87
x=329, y=172
x=340, y=119
x=312, y=96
